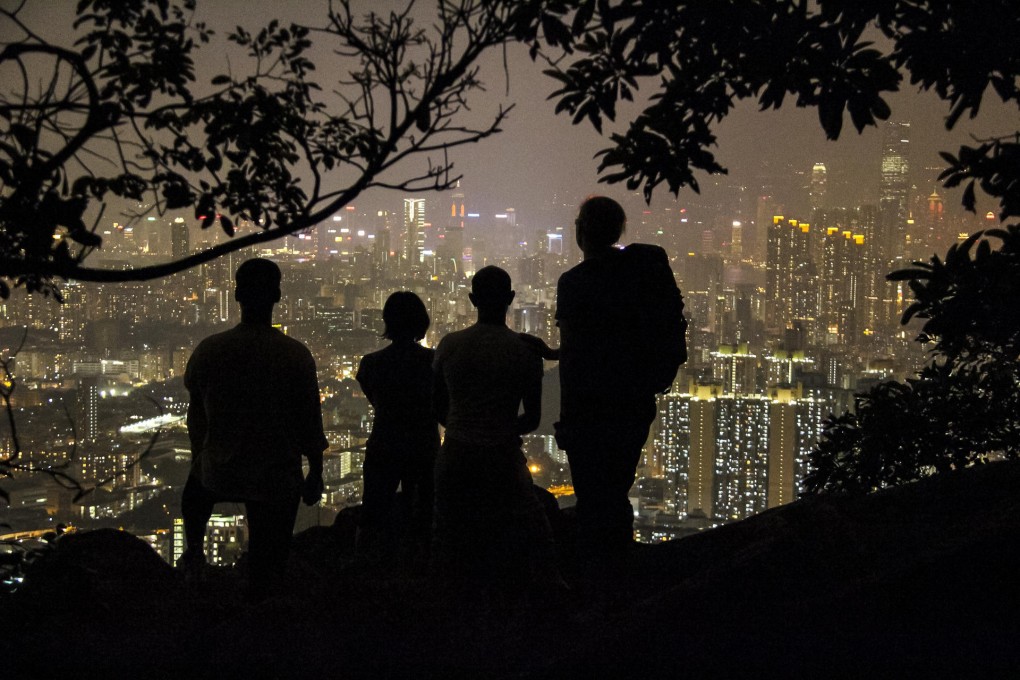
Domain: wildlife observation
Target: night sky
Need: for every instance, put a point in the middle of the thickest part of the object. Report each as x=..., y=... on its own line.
x=541, y=157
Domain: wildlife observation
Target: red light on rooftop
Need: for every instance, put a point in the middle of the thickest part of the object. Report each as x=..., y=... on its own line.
x=350, y=208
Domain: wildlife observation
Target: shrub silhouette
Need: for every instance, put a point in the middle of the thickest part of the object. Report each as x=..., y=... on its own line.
x=964, y=407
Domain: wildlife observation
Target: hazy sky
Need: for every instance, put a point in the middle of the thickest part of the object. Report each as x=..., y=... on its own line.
x=540, y=154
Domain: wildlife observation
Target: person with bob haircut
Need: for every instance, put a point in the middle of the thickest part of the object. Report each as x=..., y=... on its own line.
x=397, y=380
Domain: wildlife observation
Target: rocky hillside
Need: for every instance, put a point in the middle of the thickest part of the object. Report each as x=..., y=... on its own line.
x=919, y=580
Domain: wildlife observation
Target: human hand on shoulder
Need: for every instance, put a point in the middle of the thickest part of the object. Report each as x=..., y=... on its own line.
x=539, y=346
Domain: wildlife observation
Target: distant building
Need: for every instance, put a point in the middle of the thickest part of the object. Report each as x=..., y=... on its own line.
x=225, y=538
x=894, y=189
x=73, y=312
x=87, y=422
x=180, y=241
x=727, y=456
x=818, y=186
x=791, y=281
x=414, y=230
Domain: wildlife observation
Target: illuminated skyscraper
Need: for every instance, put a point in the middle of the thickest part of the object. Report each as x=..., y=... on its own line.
x=795, y=425
x=180, y=246
x=414, y=230
x=842, y=268
x=894, y=189
x=791, y=281
x=73, y=312
x=328, y=238
x=736, y=240
x=735, y=366
x=672, y=441
x=741, y=455
x=87, y=422
x=450, y=250
x=755, y=241
x=458, y=211
x=933, y=236
x=701, y=457
x=216, y=288
x=818, y=185
x=225, y=537
x=729, y=456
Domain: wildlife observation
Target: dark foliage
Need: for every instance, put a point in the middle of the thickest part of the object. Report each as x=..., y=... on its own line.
x=963, y=408
x=944, y=419
x=968, y=300
x=700, y=58
x=122, y=113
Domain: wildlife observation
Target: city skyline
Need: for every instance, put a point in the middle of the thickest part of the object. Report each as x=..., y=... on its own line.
x=782, y=264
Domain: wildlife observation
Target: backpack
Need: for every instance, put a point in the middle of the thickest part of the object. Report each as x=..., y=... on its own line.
x=661, y=336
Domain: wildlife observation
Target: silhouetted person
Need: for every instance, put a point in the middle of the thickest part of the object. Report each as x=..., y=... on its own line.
x=405, y=436
x=611, y=310
x=254, y=413
x=489, y=526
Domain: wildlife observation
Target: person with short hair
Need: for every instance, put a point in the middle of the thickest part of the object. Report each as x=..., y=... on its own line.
x=489, y=526
x=254, y=413
x=614, y=310
x=401, y=450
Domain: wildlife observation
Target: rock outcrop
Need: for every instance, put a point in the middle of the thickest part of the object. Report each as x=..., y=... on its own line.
x=919, y=579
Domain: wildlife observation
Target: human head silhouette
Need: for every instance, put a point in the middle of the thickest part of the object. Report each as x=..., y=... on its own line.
x=490, y=291
x=600, y=223
x=257, y=285
x=405, y=317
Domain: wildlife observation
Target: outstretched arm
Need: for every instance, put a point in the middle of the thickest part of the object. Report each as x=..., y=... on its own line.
x=539, y=346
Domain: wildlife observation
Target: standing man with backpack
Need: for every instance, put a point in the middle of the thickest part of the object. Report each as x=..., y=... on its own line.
x=622, y=340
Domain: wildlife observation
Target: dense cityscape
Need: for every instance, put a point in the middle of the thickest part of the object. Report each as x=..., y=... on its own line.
x=790, y=315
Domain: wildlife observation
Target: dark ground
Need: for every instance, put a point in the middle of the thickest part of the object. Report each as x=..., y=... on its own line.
x=916, y=581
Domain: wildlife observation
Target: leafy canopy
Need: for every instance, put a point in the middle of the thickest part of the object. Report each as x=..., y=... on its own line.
x=840, y=57
x=122, y=113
